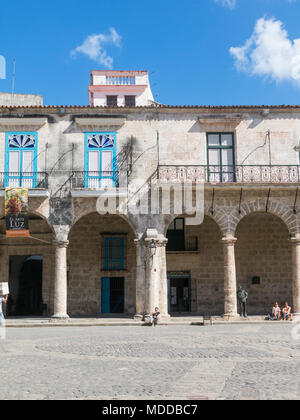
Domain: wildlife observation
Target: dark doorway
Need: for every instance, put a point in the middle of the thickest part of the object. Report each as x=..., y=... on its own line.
x=179, y=293
x=112, y=295
x=176, y=235
x=25, y=284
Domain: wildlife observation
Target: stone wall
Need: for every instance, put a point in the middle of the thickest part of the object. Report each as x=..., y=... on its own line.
x=206, y=268
x=86, y=259
x=263, y=250
x=27, y=247
x=18, y=99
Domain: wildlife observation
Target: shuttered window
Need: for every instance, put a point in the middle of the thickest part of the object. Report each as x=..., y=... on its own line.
x=114, y=254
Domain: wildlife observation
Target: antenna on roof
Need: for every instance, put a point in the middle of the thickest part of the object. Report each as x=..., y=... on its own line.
x=13, y=80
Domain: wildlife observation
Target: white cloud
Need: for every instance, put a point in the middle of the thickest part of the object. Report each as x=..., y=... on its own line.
x=269, y=52
x=227, y=3
x=232, y=3
x=93, y=47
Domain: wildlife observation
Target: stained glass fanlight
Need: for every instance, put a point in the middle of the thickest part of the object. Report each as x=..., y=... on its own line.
x=19, y=141
x=100, y=141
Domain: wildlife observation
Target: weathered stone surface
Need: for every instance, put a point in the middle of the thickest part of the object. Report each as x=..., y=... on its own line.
x=222, y=362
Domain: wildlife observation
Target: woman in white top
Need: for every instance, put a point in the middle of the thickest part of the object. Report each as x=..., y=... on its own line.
x=276, y=312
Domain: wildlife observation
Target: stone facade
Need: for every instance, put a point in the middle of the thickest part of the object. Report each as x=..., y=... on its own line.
x=251, y=226
x=85, y=255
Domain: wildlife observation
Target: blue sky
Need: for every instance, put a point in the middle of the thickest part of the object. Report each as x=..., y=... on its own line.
x=198, y=52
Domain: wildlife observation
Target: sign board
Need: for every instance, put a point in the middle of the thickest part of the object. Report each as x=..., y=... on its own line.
x=16, y=212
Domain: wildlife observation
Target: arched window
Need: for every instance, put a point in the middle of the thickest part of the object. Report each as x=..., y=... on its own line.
x=100, y=160
x=21, y=160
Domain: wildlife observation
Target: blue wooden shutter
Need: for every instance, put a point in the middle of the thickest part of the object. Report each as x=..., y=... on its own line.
x=114, y=254
x=105, y=295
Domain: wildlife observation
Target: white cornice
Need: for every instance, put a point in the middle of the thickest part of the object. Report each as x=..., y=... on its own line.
x=100, y=122
x=220, y=120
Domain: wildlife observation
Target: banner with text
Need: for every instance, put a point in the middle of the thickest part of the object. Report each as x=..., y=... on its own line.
x=16, y=212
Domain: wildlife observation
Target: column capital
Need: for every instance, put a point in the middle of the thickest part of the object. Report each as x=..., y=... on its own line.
x=138, y=242
x=60, y=244
x=295, y=240
x=229, y=240
x=159, y=242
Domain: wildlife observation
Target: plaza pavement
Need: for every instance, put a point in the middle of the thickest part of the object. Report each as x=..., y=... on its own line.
x=165, y=362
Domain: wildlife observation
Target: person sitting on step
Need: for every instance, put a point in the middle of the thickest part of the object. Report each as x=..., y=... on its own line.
x=155, y=316
x=276, y=312
x=287, y=312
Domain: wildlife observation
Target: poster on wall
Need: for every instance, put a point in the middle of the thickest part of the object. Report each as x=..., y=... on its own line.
x=16, y=212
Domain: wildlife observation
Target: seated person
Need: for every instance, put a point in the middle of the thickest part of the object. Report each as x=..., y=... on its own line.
x=287, y=312
x=276, y=312
x=156, y=316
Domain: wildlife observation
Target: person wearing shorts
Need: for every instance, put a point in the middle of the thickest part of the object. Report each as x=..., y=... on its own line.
x=276, y=312
x=155, y=317
x=287, y=312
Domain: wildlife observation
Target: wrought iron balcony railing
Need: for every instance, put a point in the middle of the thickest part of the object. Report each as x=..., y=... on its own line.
x=258, y=174
x=106, y=179
x=24, y=179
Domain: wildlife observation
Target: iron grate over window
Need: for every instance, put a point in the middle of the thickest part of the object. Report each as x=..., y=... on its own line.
x=130, y=100
x=112, y=100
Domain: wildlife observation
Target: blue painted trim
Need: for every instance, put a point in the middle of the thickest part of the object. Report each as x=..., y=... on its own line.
x=21, y=149
x=108, y=261
x=86, y=158
x=105, y=295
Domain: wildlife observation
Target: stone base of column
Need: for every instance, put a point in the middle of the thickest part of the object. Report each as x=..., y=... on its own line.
x=147, y=318
x=138, y=317
x=162, y=318
x=296, y=318
x=231, y=317
x=165, y=317
x=60, y=317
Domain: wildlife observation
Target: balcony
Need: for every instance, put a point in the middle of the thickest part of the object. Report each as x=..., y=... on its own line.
x=258, y=174
x=188, y=244
x=31, y=180
x=120, y=80
x=94, y=180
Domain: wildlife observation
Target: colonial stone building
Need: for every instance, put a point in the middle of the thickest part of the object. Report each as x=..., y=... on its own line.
x=81, y=261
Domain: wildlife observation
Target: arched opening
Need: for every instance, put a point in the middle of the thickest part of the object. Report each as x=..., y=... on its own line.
x=195, y=268
x=26, y=281
x=264, y=261
x=101, y=266
x=26, y=264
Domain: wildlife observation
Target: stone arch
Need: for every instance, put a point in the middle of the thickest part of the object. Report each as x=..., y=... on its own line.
x=90, y=211
x=222, y=217
x=264, y=260
x=90, y=239
x=275, y=207
x=45, y=219
x=204, y=267
x=219, y=217
x=15, y=251
x=36, y=213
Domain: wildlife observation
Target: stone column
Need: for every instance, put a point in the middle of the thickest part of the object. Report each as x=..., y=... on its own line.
x=140, y=280
x=230, y=289
x=60, y=280
x=296, y=275
x=163, y=289
x=156, y=276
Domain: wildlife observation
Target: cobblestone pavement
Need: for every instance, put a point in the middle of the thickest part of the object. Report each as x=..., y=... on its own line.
x=175, y=362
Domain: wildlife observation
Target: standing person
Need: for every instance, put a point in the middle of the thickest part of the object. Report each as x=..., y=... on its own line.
x=276, y=312
x=243, y=297
x=287, y=312
x=155, y=316
x=2, y=299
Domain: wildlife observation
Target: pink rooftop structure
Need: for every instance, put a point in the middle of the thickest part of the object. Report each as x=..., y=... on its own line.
x=120, y=88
